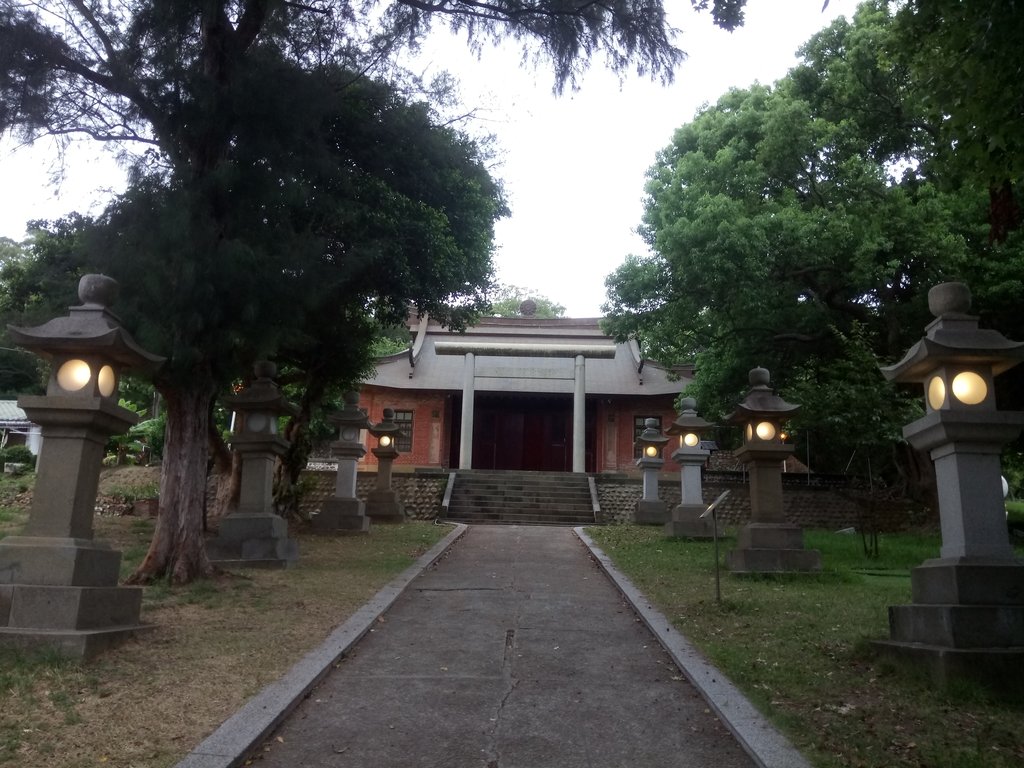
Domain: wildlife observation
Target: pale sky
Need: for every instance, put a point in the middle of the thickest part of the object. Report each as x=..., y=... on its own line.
x=573, y=166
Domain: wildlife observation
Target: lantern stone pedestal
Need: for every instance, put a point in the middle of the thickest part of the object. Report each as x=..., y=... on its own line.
x=58, y=586
x=966, y=620
x=687, y=520
x=344, y=513
x=253, y=536
x=650, y=509
x=383, y=504
x=768, y=544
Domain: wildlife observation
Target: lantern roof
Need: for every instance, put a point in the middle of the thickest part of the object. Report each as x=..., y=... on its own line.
x=351, y=415
x=387, y=425
x=688, y=420
x=954, y=337
x=262, y=394
x=89, y=328
x=761, y=401
x=652, y=434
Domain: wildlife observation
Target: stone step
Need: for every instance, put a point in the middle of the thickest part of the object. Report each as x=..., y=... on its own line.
x=576, y=511
x=525, y=498
x=522, y=519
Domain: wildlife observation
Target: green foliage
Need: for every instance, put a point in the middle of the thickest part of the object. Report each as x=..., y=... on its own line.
x=290, y=205
x=798, y=227
x=507, y=300
x=18, y=454
x=966, y=56
x=38, y=280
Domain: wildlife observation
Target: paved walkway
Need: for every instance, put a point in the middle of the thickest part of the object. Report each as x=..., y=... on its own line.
x=513, y=651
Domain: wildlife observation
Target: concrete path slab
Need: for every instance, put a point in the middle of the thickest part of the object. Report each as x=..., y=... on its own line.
x=513, y=651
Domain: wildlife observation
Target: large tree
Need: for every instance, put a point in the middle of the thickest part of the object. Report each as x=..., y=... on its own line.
x=966, y=61
x=215, y=209
x=799, y=227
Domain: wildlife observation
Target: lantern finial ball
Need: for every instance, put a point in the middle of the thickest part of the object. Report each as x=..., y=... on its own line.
x=688, y=404
x=264, y=369
x=949, y=298
x=98, y=289
x=759, y=377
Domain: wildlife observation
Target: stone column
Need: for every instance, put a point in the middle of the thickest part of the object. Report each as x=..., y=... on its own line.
x=383, y=504
x=579, y=416
x=254, y=536
x=58, y=586
x=686, y=521
x=768, y=544
x=468, y=397
x=345, y=513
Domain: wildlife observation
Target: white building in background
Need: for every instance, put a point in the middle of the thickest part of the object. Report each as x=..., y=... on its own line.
x=16, y=429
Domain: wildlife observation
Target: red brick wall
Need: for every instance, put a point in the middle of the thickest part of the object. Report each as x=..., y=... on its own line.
x=614, y=430
x=429, y=430
x=613, y=427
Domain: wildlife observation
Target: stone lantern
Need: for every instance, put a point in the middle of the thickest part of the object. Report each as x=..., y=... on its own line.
x=345, y=513
x=382, y=503
x=687, y=520
x=253, y=536
x=768, y=543
x=967, y=616
x=58, y=586
x=650, y=509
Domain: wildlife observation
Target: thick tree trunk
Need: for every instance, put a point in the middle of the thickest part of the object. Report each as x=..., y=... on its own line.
x=178, y=549
x=227, y=467
x=289, y=467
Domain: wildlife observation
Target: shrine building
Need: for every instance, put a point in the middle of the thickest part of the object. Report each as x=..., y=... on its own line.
x=521, y=393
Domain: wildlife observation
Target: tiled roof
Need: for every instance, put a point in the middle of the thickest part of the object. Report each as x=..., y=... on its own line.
x=9, y=411
x=547, y=366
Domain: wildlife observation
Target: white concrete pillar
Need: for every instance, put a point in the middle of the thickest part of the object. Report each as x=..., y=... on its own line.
x=468, y=392
x=579, y=416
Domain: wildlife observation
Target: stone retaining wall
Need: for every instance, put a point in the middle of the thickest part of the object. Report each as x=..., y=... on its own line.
x=421, y=493
x=829, y=503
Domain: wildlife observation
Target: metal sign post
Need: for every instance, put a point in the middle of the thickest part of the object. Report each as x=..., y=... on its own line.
x=711, y=510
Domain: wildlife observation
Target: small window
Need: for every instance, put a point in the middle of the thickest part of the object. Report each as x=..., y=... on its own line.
x=403, y=442
x=638, y=427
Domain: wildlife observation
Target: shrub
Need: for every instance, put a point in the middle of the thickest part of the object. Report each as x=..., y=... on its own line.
x=18, y=454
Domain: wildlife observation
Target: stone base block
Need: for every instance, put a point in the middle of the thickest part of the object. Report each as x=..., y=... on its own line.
x=773, y=560
x=686, y=523
x=650, y=513
x=958, y=626
x=68, y=608
x=253, y=553
x=80, y=645
x=239, y=527
x=965, y=582
x=770, y=536
x=1001, y=670
x=384, y=506
x=342, y=516
x=51, y=561
x=253, y=540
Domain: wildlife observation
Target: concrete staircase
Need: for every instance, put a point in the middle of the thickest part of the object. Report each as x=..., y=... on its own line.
x=520, y=498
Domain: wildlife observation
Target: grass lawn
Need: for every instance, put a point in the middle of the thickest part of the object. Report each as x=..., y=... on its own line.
x=214, y=644
x=798, y=646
